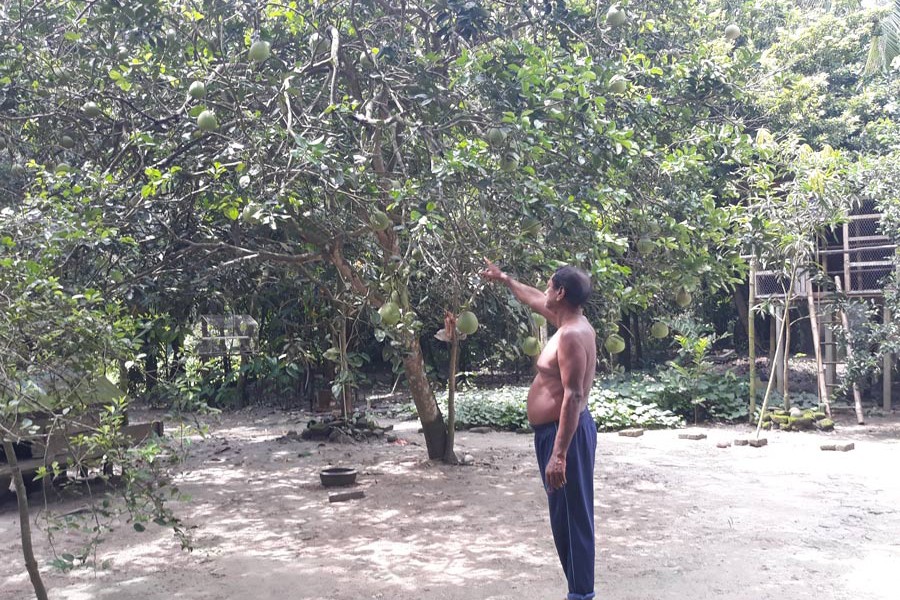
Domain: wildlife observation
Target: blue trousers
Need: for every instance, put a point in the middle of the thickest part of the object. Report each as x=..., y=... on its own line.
x=572, y=506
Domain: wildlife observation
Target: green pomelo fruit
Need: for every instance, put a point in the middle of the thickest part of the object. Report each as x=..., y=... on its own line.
x=379, y=221
x=207, y=121
x=365, y=59
x=251, y=213
x=531, y=346
x=90, y=109
x=260, y=51
x=467, y=322
x=509, y=162
x=683, y=298
x=614, y=343
x=62, y=168
x=496, y=136
x=618, y=84
x=732, y=32
x=17, y=170
x=317, y=44
x=66, y=142
x=659, y=330
x=197, y=90
x=390, y=314
x=615, y=16
x=538, y=319
x=645, y=245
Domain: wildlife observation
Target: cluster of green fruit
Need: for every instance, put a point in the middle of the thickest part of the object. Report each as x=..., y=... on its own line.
x=615, y=343
x=616, y=17
x=259, y=52
x=509, y=159
x=466, y=321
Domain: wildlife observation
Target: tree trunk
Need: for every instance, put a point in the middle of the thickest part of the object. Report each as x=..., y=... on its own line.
x=31, y=564
x=426, y=405
x=151, y=367
x=625, y=356
x=638, y=346
x=742, y=309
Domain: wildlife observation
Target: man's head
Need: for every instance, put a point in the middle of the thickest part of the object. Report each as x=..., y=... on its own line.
x=570, y=285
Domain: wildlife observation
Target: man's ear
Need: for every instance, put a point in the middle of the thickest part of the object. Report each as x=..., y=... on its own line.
x=561, y=293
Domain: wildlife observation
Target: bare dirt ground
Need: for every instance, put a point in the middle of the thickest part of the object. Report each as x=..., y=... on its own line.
x=676, y=519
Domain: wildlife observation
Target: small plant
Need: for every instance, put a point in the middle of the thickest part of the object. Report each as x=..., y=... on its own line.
x=690, y=374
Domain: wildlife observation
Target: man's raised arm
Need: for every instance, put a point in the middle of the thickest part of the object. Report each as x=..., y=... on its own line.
x=531, y=297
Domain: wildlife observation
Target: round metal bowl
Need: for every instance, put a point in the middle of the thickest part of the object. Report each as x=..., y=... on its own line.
x=337, y=476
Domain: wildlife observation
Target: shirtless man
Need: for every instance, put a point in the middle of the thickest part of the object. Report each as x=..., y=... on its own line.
x=565, y=435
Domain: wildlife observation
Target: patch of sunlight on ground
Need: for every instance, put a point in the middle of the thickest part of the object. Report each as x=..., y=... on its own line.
x=871, y=574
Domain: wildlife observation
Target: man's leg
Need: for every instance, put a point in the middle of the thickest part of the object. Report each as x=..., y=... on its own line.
x=572, y=507
x=578, y=497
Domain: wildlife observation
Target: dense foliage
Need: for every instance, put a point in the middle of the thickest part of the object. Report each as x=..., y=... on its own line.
x=337, y=172
x=361, y=155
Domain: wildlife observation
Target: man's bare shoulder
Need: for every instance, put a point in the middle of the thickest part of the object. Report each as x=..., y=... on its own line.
x=576, y=333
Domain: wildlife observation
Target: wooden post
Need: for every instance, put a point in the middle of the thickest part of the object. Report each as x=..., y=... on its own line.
x=786, y=355
x=857, y=397
x=830, y=354
x=450, y=329
x=751, y=336
x=820, y=370
x=887, y=367
x=773, y=337
x=847, y=280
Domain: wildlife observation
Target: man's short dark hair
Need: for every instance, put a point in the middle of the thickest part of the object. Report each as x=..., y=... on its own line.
x=576, y=282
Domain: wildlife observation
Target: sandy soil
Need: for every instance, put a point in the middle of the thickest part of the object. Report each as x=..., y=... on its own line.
x=676, y=519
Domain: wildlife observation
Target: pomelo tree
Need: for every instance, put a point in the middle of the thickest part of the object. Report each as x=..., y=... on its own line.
x=346, y=161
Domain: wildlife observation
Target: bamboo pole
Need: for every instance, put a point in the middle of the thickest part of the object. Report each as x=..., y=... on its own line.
x=786, y=354
x=857, y=397
x=450, y=327
x=773, y=337
x=820, y=367
x=847, y=280
x=778, y=359
x=830, y=355
x=751, y=335
x=887, y=367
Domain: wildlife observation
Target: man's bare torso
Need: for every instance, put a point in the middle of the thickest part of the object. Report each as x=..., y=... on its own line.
x=545, y=397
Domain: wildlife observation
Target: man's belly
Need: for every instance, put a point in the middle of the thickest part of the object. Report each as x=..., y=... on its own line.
x=544, y=400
